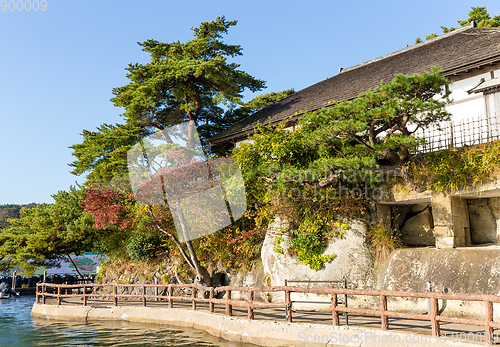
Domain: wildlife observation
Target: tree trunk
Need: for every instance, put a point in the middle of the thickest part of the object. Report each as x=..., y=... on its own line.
x=191, y=133
x=76, y=268
x=202, y=275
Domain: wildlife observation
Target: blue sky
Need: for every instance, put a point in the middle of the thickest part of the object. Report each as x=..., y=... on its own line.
x=58, y=67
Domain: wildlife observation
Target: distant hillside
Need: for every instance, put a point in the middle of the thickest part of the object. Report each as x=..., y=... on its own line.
x=11, y=211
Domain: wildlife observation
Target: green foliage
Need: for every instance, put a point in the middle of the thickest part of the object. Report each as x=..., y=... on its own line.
x=351, y=135
x=458, y=168
x=479, y=14
x=310, y=233
x=11, y=211
x=234, y=115
x=257, y=104
x=279, y=248
x=309, y=175
x=45, y=234
x=237, y=246
x=186, y=81
x=308, y=245
x=182, y=82
x=431, y=36
x=384, y=239
x=143, y=245
x=103, y=153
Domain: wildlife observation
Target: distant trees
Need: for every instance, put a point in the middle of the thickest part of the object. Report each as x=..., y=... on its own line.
x=48, y=233
x=479, y=14
x=11, y=211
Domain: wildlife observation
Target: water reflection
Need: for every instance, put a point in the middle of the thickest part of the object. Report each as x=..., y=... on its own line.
x=18, y=328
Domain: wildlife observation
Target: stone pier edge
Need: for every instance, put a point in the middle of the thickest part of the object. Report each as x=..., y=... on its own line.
x=258, y=332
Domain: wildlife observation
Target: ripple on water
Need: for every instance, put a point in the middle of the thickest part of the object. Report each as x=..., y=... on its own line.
x=19, y=329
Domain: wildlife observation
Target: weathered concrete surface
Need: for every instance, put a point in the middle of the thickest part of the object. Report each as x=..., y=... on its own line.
x=463, y=270
x=252, y=278
x=354, y=261
x=263, y=333
x=443, y=225
x=417, y=226
x=484, y=220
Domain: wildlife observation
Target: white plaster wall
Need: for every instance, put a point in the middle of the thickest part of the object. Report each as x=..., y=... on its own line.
x=472, y=108
x=459, y=89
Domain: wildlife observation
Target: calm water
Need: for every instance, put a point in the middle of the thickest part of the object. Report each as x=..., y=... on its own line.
x=19, y=329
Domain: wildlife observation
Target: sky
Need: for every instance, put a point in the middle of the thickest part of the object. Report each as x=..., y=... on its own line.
x=58, y=67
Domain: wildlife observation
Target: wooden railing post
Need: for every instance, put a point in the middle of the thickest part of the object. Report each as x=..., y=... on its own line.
x=383, y=312
x=156, y=289
x=488, y=329
x=346, y=314
x=170, y=303
x=193, y=296
x=250, y=304
x=143, y=295
x=488, y=323
x=44, y=296
x=434, y=314
x=229, y=308
x=115, y=298
x=335, y=313
x=288, y=302
x=59, y=295
x=84, y=296
x=211, y=304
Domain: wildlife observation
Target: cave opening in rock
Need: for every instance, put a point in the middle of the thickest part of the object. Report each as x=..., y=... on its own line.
x=484, y=218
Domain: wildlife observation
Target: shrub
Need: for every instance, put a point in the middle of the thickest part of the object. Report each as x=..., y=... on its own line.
x=143, y=245
x=384, y=239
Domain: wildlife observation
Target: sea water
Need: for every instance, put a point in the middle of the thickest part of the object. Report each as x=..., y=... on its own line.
x=19, y=329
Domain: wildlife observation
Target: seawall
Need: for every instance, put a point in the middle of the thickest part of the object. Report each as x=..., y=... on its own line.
x=263, y=333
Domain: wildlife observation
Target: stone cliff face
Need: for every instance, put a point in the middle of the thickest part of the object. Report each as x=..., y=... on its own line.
x=484, y=216
x=468, y=270
x=354, y=261
x=464, y=270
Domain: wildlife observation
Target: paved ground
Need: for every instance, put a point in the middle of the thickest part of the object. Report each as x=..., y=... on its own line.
x=395, y=324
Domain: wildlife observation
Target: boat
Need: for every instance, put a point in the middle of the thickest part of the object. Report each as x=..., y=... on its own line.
x=6, y=291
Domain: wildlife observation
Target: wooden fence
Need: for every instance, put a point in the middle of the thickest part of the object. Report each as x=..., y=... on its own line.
x=465, y=132
x=87, y=291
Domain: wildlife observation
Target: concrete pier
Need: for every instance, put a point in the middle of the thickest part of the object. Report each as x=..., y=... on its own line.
x=259, y=332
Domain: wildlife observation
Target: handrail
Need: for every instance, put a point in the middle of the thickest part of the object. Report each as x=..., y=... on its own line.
x=209, y=297
x=344, y=282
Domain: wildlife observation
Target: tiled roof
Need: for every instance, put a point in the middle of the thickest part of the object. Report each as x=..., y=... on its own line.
x=462, y=49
